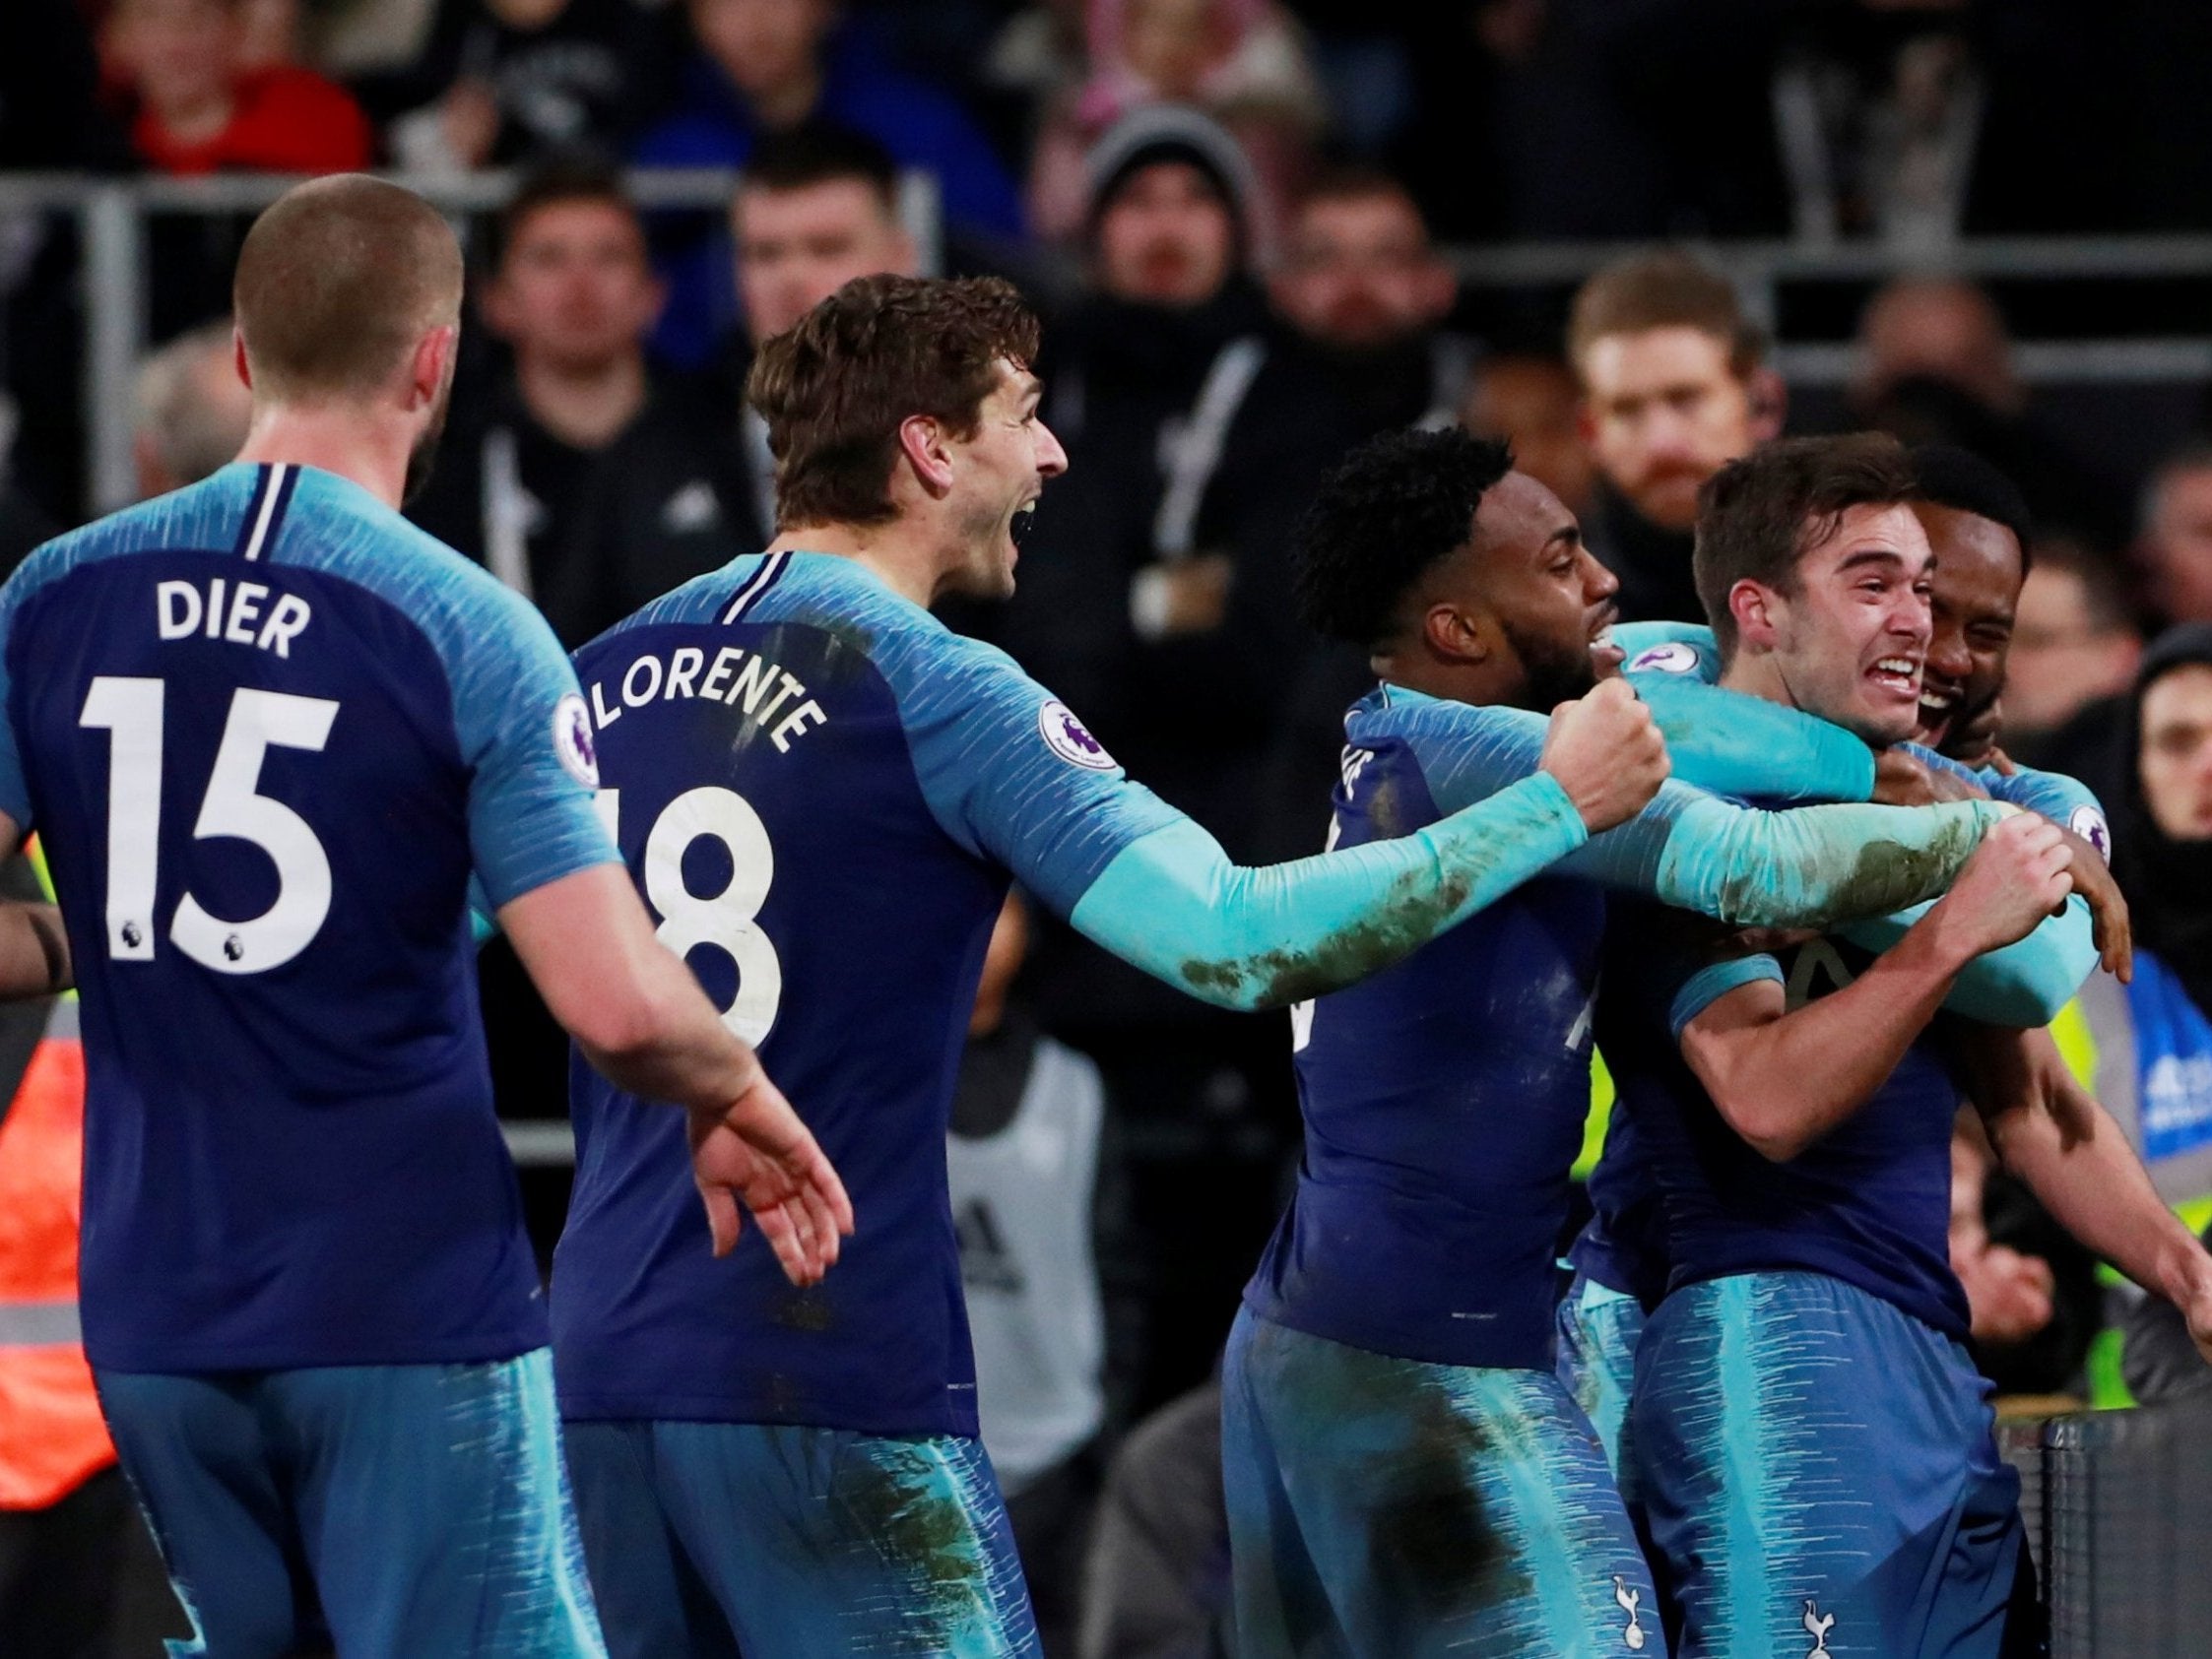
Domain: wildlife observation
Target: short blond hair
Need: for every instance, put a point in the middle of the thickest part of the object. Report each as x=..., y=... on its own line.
x=1664, y=290
x=338, y=280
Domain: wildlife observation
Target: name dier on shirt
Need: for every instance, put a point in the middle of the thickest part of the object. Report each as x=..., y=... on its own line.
x=736, y=678
x=232, y=612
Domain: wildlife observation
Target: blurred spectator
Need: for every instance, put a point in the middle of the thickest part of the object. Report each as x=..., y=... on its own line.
x=2175, y=541
x=191, y=410
x=1032, y=1201
x=2152, y=1036
x=1674, y=385
x=1201, y=1091
x=764, y=66
x=507, y=81
x=817, y=206
x=1532, y=403
x=2074, y=650
x=49, y=91
x=1361, y=296
x=1242, y=62
x=1156, y=1585
x=1935, y=365
x=571, y=295
x=197, y=106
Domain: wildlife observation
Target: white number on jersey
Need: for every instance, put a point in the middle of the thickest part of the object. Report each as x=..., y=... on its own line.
x=130, y=710
x=727, y=919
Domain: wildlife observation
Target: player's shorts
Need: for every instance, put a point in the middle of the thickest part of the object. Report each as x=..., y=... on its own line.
x=1599, y=1330
x=382, y=1509
x=1818, y=1476
x=1385, y=1508
x=708, y=1539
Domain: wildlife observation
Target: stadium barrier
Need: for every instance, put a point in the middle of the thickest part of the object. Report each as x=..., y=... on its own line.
x=111, y=220
x=111, y=216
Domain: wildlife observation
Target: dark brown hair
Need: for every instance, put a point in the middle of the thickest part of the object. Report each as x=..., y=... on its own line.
x=556, y=184
x=1760, y=515
x=835, y=388
x=336, y=283
x=1664, y=290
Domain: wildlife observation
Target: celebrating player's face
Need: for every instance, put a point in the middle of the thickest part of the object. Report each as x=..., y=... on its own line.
x=1851, y=631
x=1553, y=601
x=1004, y=468
x=1977, y=580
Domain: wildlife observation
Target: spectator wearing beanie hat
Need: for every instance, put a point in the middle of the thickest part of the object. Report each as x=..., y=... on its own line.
x=1167, y=231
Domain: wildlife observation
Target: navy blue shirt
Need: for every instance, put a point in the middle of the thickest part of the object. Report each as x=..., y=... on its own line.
x=820, y=791
x=1869, y=1203
x=268, y=730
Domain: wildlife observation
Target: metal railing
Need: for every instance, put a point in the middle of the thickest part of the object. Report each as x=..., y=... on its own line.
x=111, y=216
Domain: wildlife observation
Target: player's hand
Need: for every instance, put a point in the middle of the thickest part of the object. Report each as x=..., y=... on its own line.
x=2009, y=1294
x=1902, y=779
x=2016, y=877
x=1606, y=751
x=757, y=1155
x=2108, y=920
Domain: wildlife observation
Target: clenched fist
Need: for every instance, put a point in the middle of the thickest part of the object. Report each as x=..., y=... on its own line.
x=1607, y=753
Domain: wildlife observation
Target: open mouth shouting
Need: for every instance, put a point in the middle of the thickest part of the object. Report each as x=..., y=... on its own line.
x=1604, y=655
x=1897, y=679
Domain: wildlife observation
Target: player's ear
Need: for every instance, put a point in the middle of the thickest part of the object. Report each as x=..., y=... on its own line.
x=1454, y=636
x=1752, y=604
x=433, y=365
x=922, y=440
x=238, y=356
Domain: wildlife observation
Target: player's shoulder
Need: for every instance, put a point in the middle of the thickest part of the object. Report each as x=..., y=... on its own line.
x=332, y=524
x=1396, y=713
x=201, y=517
x=1668, y=648
x=914, y=652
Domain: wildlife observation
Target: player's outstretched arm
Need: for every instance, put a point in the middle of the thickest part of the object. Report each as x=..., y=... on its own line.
x=640, y=1018
x=1173, y=903
x=1783, y=1080
x=1805, y=868
x=2056, y=1136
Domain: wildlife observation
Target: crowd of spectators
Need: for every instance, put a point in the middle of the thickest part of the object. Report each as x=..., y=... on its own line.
x=1231, y=211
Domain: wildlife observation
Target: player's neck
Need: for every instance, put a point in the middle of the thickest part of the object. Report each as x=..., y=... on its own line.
x=1758, y=676
x=907, y=565
x=365, y=451
x=584, y=408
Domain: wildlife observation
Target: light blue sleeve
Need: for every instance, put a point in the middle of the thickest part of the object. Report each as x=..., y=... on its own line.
x=1728, y=742
x=1175, y=905
x=2027, y=982
x=1800, y=868
x=2058, y=798
x=526, y=738
x=1009, y=771
x=1710, y=983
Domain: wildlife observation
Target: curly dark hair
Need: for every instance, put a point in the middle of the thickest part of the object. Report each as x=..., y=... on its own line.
x=1390, y=509
x=835, y=387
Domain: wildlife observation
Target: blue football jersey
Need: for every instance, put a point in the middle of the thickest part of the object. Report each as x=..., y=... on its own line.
x=1869, y=1203
x=1442, y=1097
x=822, y=792
x=267, y=729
